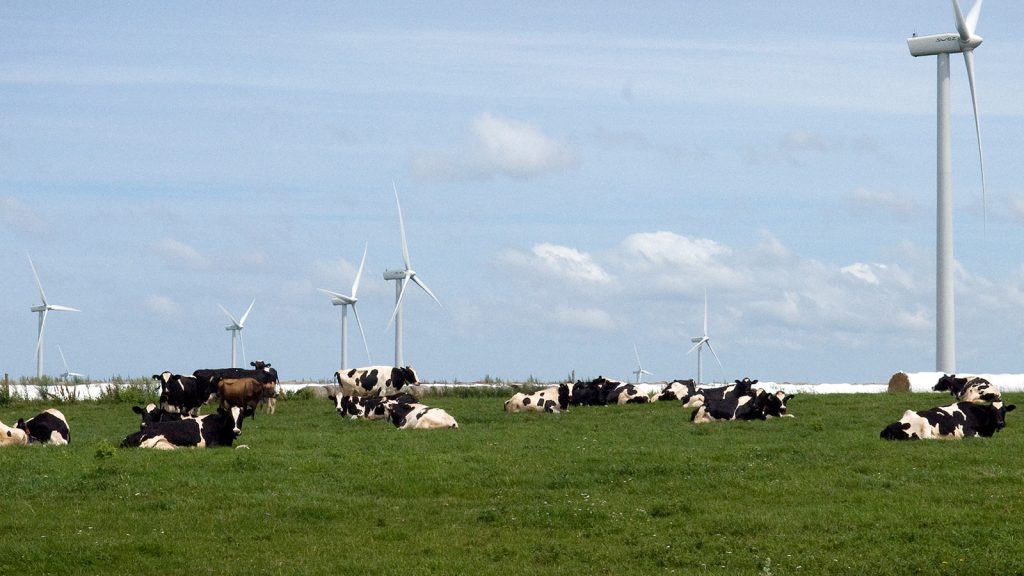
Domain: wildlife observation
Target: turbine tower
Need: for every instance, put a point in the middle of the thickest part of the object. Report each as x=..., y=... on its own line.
x=42, y=309
x=701, y=341
x=346, y=301
x=402, y=278
x=236, y=331
x=639, y=372
x=942, y=45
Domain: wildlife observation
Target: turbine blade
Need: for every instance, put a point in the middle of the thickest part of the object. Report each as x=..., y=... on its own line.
x=359, y=274
x=241, y=323
x=398, y=303
x=697, y=345
x=401, y=228
x=420, y=283
x=64, y=360
x=969, y=61
x=972, y=17
x=42, y=328
x=38, y=283
x=334, y=294
x=233, y=321
x=715, y=355
x=241, y=342
x=62, y=308
x=637, y=353
x=363, y=334
x=961, y=25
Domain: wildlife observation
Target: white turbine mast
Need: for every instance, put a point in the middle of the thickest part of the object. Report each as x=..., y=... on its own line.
x=346, y=301
x=701, y=341
x=235, y=328
x=68, y=374
x=402, y=278
x=42, y=309
x=639, y=372
x=964, y=40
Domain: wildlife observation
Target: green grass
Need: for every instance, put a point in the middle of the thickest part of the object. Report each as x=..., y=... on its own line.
x=602, y=490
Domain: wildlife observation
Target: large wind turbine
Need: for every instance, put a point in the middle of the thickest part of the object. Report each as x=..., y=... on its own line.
x=236, y=331
x=402, y=278
x=42, y=309
x=639, y=372
x=346, y=301
x=701, y=341
x=942, y=45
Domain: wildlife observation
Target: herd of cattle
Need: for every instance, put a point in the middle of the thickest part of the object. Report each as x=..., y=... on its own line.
x=386, y=393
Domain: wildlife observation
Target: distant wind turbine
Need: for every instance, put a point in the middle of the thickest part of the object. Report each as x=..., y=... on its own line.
x=42, y=309
x=346, y=301
x=942, y=45
x=702, y=341
x=235, y=328
x=402, y=278
x=639, y=372
x=68, y=374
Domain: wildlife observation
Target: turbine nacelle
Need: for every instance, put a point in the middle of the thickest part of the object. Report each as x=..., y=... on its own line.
x=941, y=44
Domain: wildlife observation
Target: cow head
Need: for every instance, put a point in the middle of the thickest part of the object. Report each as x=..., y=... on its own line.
x=163, y=378
x=403, y=377
x=951, y=384
x=348, y=406
x=996, y=418
x=12, y=436
x=234, y=416
x=563, y=396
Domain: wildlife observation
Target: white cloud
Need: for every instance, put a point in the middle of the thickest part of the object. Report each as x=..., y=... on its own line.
x=178, y=253
x=562, y=262
x=861, y=271
x=874, y=201
x=586, y=318
x=17, y=215
x=162, y=305
x=497, y=146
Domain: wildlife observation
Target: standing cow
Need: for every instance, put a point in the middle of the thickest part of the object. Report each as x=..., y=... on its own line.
x=376, y=380
x=245, y=393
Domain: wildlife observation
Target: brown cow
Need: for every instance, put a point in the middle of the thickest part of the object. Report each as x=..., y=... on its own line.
x=245, y=393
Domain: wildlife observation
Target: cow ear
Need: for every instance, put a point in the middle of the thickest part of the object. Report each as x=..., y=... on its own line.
x=138, y=409
x=1010, y=408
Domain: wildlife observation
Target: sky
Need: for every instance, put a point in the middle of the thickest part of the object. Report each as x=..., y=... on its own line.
x=574, y=178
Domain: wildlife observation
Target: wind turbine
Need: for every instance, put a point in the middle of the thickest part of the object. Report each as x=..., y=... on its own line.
x=639, y=367
x=942, y=45
x=701, y=341
x=68, y=374
x=236, y=331
x=42, y=309
x=346, y=301
x=402, y=278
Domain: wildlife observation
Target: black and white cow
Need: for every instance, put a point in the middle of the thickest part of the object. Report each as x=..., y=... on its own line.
x=624, y=393
x=554, y=399
x=153, y=413
x=676, y=390
x=183, y=394
x=960, y=420
x=976, y=390
x=699, y=396
x=418, y=416
x=737, y=405
x=47, y=427
x=220, y=428
x=12, y=436
x=371, y=408
x=376, y=380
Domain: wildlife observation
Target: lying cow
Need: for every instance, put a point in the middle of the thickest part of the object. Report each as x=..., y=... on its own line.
x=245, y=393
x=975, y=390
x=375, y=380
x=697, y=397
x=371, y=408
x=624, y=393
x=755, y=405
x=47, y=427
x=12, y=436
x=183, y=394
x=554, y=399
x=212, y=430
x=960, y=420
x=418, y=416
x=676, y=390
x=153, y=413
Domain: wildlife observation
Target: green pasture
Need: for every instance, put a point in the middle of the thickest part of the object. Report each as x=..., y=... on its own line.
x=600, y=490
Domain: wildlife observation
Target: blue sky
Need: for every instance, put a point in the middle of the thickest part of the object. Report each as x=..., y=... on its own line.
x=573, y=177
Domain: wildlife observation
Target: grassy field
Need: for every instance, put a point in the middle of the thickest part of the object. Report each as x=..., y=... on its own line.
x=601, y=490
